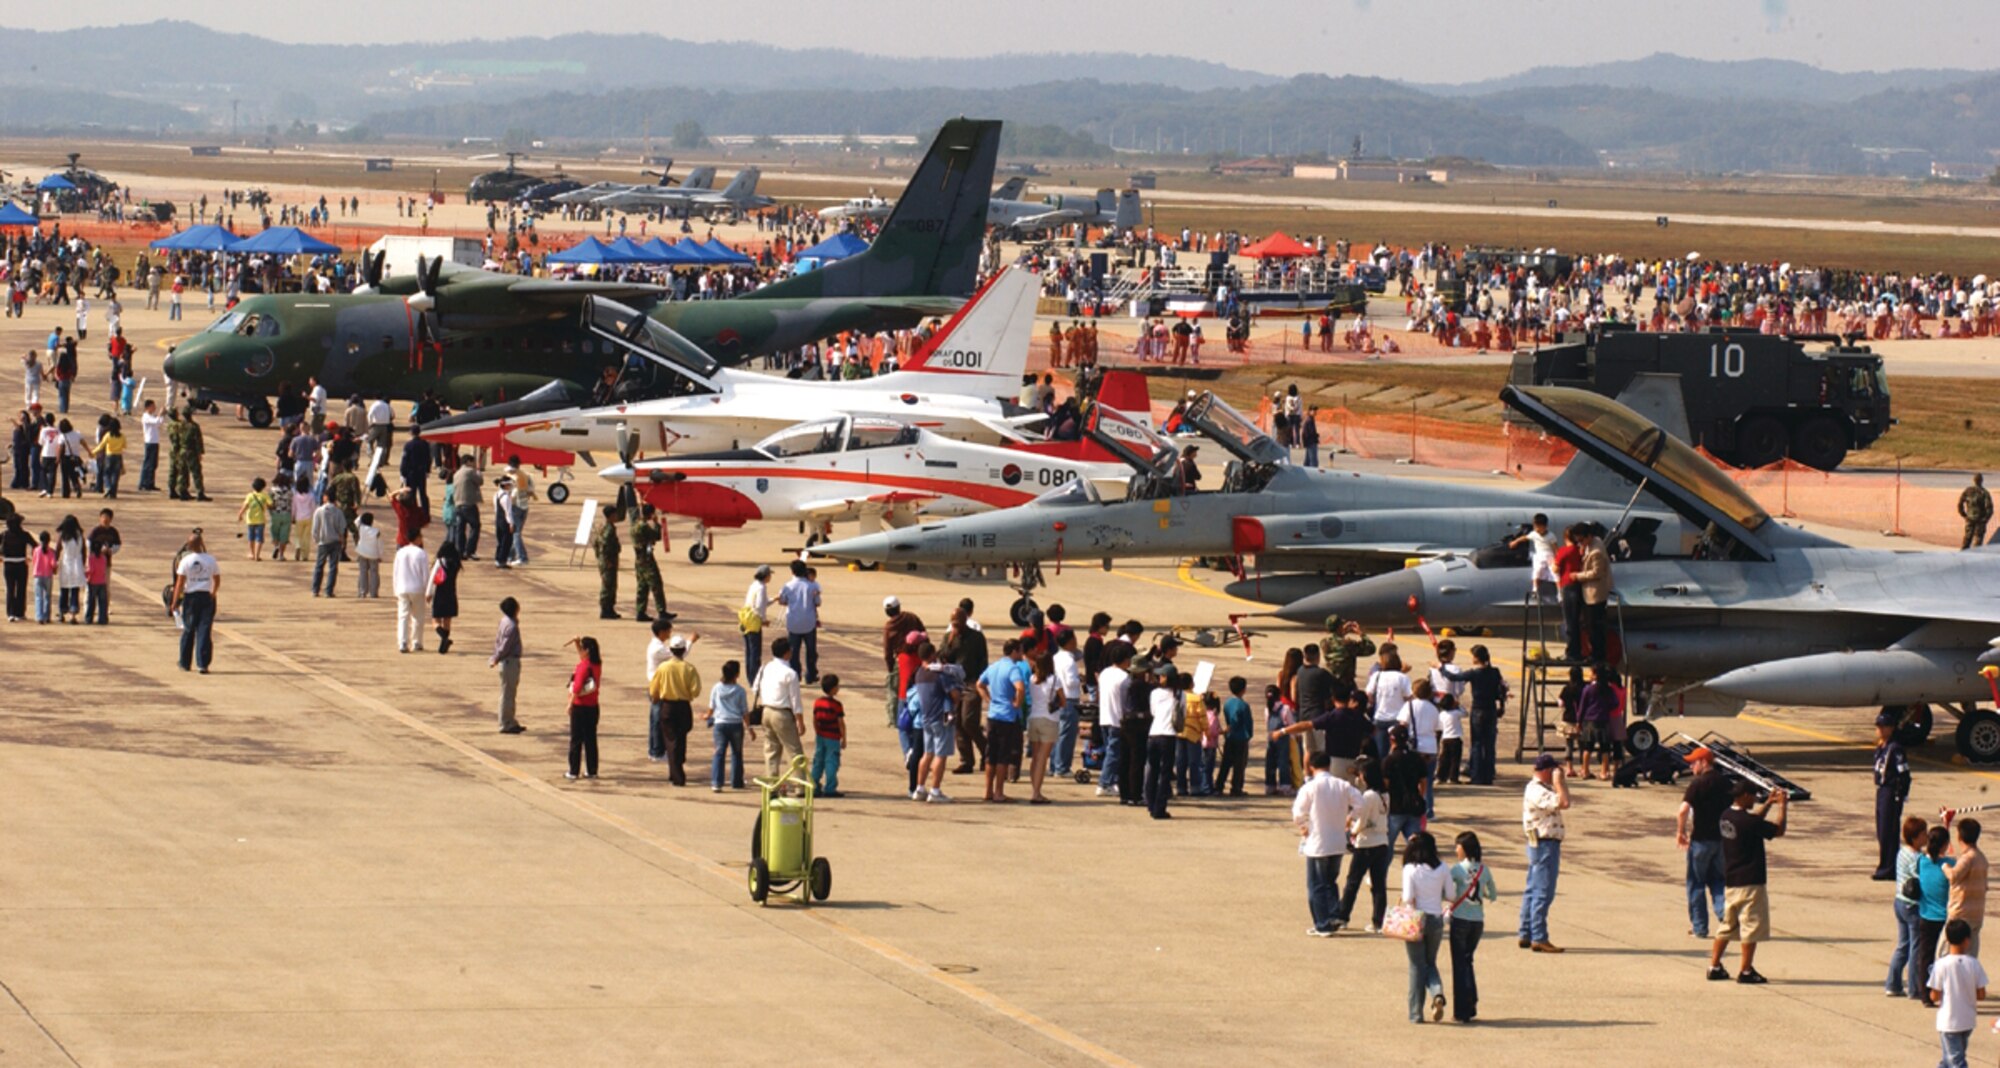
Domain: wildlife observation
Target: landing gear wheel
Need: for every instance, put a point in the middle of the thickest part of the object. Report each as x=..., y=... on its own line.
x=760, y=880
x=698, y=552
x=260, y=416
x=1761, y=441
x=821, y=879
x=1820, y=443
x=1642, y=738
x=558, y=493
x=1979, y=736
x=1020, y=610
x=1913, y=725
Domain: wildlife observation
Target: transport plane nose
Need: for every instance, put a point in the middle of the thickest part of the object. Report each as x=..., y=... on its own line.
x=1390, y=600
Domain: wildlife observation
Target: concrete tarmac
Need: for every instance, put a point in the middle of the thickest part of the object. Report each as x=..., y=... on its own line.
x=323, y=853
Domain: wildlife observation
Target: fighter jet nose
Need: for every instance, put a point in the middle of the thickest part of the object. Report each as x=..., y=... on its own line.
x=1390, y=600
x=869, y=548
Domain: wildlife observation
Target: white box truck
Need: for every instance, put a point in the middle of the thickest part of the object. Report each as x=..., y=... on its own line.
x=404, y=249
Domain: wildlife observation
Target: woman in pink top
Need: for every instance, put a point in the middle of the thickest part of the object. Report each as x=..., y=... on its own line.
x=42, y=561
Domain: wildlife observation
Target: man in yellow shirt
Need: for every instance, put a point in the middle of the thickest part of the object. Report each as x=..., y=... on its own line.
x=673, y=688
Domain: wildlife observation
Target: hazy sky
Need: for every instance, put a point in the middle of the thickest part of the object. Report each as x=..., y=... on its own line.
x=1416, y=40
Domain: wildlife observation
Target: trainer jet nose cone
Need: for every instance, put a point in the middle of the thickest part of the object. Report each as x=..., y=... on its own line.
x=1390, y=600
x=869, y=548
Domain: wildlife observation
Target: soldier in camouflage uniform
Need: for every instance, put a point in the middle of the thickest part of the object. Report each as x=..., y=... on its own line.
x=344, y=490
x=1342, y=649
x=645, y=535
x=191, y=463
x=1975, y=506
x=607, y=547
x=177, y=480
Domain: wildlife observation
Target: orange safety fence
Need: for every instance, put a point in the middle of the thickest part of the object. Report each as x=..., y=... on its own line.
x=1883, y=501
x=1129, y=349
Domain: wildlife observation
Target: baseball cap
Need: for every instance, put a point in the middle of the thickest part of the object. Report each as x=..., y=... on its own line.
x=1700, y=752
x=1545, y=762
x=763, y=571
x=891, y=602
x=678, y=643
x=1886, y=718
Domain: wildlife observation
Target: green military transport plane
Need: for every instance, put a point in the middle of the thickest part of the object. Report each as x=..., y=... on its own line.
x=468, y=334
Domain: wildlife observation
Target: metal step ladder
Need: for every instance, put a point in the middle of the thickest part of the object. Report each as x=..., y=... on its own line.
x=1737, y=761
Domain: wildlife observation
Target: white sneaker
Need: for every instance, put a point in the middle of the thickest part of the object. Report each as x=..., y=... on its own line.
x=1372, y=929
x=1105, y=792
x=919, y=793
x=938, y=798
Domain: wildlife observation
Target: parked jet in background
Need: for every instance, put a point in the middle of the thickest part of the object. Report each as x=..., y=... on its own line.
x=698, y=178
x=739, y=197
x=874, y=207
x=1114, y=208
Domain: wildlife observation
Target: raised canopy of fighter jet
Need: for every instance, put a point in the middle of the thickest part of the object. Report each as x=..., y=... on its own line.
x=1753, y=610
x=469, y=334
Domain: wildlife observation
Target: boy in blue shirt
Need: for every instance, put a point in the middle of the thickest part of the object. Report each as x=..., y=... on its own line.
x=1236, y=730
x=1004, y=688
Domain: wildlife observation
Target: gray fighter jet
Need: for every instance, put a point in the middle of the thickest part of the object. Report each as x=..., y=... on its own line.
x=1757, y=611
x=1306, y=525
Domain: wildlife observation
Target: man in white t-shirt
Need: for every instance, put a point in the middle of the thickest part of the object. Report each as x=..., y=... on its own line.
x=150, y=422
x=197, y=580
x=1069, y=676
x=1320, y=811
x=1960, y=983
x=411, y=579
x=1112, y=683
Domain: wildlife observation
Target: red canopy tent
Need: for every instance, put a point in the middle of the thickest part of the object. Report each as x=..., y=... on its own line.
x=1278, y=247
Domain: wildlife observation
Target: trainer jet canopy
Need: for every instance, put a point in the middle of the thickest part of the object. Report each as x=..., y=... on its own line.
x=1753, y=610
x=468, y=334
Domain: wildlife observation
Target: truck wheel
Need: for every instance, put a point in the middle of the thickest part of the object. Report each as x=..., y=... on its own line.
x=1979, y=736
x=1820, y=443
x=1913, y=723
x=1761, y=441
x=821, y=880
x=1642, y=738
x=760, y=880
x=260, y=416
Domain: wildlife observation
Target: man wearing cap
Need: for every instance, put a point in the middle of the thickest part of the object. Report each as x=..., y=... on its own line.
x=1698, y=829
x=1892, y=785
x=1542, y=818
x=1747, y=915
x=1343, y=649
x=896, y=631
x=673, y=689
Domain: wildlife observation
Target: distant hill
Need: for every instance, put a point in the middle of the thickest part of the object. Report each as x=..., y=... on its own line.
x=1708, y=79
x=1308, y=115
x=275, y=82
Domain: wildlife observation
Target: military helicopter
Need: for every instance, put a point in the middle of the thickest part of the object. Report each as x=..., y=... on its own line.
x=502, y=184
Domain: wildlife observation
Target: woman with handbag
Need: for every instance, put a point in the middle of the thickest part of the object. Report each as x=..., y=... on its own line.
x=1471, y=886
x=1909, y=926
x=1419, y=923
x=583, y=710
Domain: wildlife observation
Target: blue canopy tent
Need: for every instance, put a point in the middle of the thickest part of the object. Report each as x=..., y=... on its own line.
x=55, y=182
x=662, y=251
x=12, y=214
x=207, y=237
x=588, y=251
x=624, y=250
x=838, y=247
x=284, y=241
x=724, y=254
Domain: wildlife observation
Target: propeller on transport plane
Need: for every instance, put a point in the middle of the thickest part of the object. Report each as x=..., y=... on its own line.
x=371, y=271
x=426, y=321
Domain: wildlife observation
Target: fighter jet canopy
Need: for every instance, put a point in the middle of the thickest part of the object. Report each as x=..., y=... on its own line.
x=1629, y=444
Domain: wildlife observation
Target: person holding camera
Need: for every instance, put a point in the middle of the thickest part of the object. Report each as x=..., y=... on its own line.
x=1746, y=911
